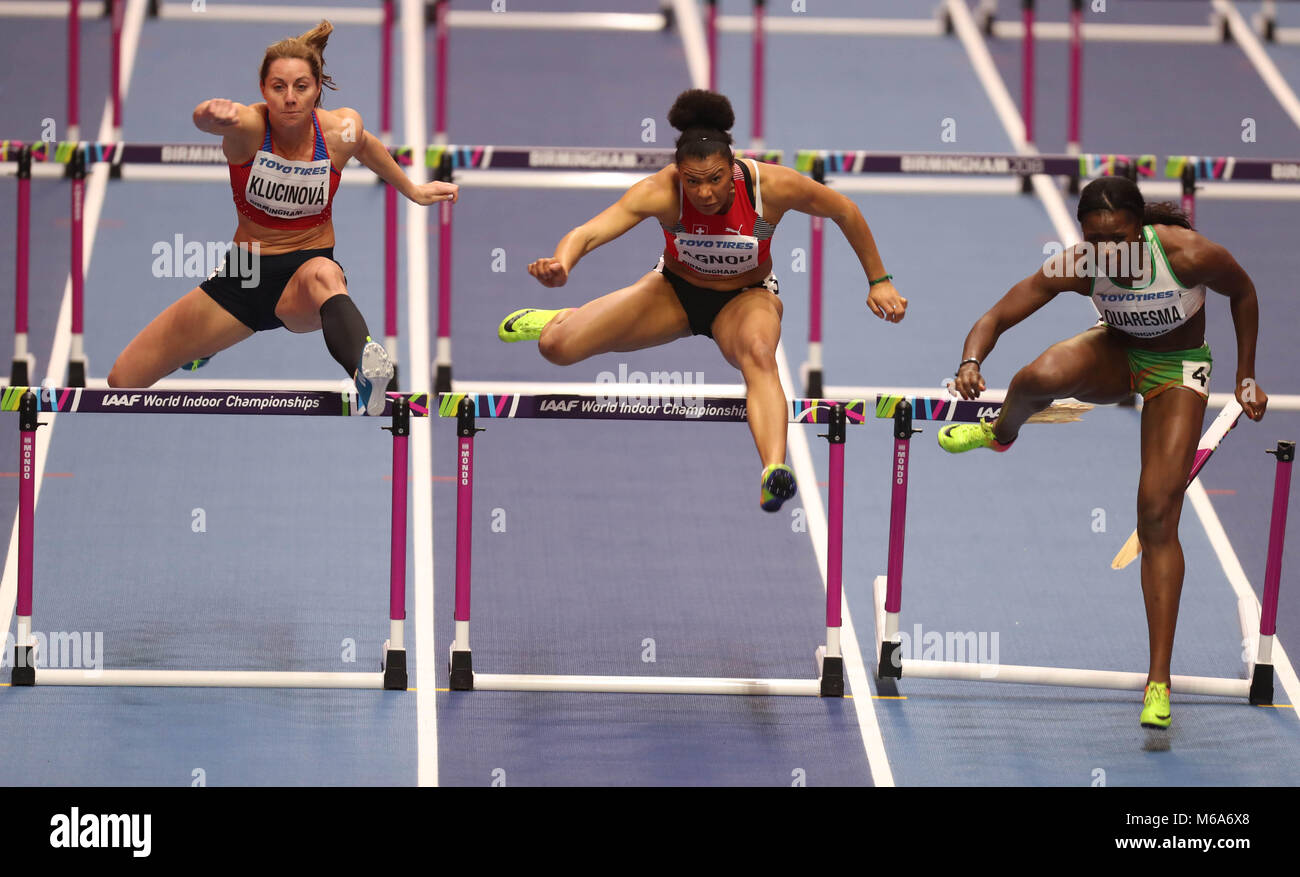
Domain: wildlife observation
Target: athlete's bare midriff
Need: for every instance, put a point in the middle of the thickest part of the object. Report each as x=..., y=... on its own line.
x=721, y=284
x=274, y=241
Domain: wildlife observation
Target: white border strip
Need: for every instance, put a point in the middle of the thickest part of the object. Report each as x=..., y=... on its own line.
x=1101, y=32
x=510, y=20
x=1209, y=190
x=419, y=378
x=801, y=458
x=49, y=9
x=645, y=684
x=1068, y=233
x=473, y=19
x=834, y=26
x=909, y=185
x=210, y=678
x=287, y=385
x=247, y=12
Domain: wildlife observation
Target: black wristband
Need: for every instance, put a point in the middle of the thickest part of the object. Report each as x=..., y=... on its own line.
x=964, y=361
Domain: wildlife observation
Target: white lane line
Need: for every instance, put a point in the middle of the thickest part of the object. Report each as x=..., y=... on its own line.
x=58, y=360
x=1264, y=66
x=1069, y=233
x=417, y=312
x=801, y=458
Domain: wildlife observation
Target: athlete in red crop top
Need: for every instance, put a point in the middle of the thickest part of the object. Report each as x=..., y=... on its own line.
x=715, y=275
x=285, y=157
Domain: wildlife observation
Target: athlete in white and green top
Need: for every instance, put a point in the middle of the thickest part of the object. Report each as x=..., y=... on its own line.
x=1151, y=338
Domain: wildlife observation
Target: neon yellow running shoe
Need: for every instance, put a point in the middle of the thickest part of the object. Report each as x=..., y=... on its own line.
x=525, y=324
x=1155, y=708
x=777, y=485
x=958, y=437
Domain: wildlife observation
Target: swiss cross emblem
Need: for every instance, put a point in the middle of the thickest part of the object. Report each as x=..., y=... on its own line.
x=701, y=229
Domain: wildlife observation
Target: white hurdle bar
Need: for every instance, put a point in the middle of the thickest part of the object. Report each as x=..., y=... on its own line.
x=209, y=678
x=1019, y=674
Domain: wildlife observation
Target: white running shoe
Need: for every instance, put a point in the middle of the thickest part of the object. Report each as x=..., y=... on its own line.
x=373, y=375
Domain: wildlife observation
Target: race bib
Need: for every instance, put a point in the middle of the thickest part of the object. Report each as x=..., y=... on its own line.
x=288, y=189
x=720, y=255
x=1196, y=376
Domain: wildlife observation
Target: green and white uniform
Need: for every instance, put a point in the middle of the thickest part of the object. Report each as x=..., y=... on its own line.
x=1149, y=311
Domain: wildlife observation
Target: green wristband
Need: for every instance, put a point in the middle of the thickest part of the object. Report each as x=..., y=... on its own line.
x=880, y=280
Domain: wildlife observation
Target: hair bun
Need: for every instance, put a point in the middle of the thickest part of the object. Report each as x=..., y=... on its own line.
x=698, y=108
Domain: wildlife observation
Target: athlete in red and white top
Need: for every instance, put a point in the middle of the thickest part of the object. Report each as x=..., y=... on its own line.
x=285, y=158
x=715, y=275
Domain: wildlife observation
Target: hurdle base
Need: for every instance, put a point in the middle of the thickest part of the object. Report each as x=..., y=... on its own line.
x=461, y=671
x=814, y=384
x=831, y=682
x=19, y=373
x=24, y=672
x=646, y=684
x=1261, y=685
x=393, y=666
x=890, y=667
x=442, y=379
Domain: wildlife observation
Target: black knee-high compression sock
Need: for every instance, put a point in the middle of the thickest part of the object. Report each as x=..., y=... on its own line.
x=345, y=331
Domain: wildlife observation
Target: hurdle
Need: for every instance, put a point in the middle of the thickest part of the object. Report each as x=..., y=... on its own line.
x=887, y=590
x=952, y=173
x=531, y=167
x=31, y=402
x=466, y=408
x=181, y=162
x=940, y=173
x=1254, y=176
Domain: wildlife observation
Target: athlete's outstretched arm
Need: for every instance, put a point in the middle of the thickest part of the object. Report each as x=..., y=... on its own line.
x=239, y=126
x=652, y=196
x=1052, y=278
x=787, y=189
x=368, y=150
x=1214, y=266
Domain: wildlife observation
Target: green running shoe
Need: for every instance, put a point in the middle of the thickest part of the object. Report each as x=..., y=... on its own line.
x=1155, y=708
x=525, y=325
x=195, y=364
x=958, y=437
x=777, y=485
